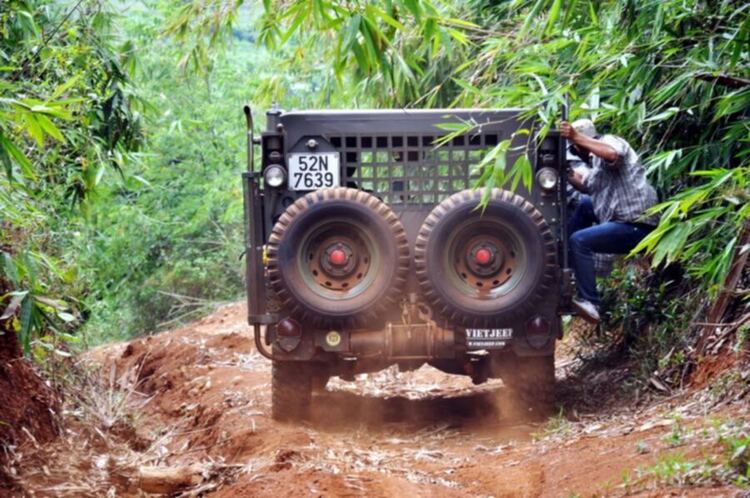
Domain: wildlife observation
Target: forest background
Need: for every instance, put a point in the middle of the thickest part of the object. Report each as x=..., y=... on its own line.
x=121, y=137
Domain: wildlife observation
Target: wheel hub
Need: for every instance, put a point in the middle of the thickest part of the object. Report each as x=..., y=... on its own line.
x=338, y=262
x=484, y=261
x=484, y=258
x=338, y=258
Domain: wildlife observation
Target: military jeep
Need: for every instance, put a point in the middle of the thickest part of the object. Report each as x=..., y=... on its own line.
x=367, y=247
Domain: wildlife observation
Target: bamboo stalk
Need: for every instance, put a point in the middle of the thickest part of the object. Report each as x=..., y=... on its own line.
x=730, y=284
x=733, y=277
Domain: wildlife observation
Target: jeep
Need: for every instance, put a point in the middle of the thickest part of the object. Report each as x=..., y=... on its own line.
x=369, y=243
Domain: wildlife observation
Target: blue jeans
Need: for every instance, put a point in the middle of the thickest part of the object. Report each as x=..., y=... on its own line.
x=612, y=237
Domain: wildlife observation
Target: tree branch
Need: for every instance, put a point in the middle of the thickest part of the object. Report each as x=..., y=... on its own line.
x=724, y=80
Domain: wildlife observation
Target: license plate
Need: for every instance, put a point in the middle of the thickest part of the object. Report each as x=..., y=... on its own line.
x=487, y=338
x=311, y=171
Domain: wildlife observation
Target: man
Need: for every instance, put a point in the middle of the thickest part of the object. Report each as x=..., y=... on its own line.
x=618, y=195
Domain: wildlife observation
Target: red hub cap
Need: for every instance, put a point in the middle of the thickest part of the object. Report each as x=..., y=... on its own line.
x=337, y=257
x=483, y=256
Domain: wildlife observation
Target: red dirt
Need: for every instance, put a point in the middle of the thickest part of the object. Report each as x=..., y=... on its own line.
x=206, y=400
x=29, y=407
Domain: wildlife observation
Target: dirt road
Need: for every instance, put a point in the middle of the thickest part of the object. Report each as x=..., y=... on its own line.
x=199, y=399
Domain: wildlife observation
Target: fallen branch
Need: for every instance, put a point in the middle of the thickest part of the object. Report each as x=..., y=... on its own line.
x=169, y=480
x=724, y=80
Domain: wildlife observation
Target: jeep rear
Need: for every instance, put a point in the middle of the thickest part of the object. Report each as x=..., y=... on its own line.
x=367, y=247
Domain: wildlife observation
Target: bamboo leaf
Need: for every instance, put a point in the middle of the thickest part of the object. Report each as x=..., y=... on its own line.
x=26, y=318
x=49, y=128
x=10, y=150
x=554, y=15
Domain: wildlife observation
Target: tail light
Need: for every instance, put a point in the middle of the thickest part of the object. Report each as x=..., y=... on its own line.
x=288, y=334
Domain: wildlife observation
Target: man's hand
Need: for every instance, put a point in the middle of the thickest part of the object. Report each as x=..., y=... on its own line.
x=576, y=179
x=567, y=131
x=596, y=147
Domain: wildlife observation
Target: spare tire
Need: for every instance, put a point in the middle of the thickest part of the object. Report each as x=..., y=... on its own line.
x=479, y=268
x=338, y=257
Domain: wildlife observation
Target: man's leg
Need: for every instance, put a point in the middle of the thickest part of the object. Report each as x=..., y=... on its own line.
x=582, y=216
x=610, y=237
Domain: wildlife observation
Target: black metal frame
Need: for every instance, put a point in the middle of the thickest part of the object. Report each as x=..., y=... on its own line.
x=411, y=169
x=254, y=236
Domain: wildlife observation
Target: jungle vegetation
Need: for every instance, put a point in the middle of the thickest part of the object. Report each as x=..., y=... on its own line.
x=121, y=137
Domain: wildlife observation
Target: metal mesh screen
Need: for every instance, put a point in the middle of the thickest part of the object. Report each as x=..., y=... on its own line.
x=410, y=169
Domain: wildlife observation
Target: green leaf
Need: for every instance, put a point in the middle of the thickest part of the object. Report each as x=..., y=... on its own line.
x=56, y=304
x=413, y=7
x=64, y=87
x=374, y=10
x=49, y=128
x=554, y=14
x=461, y=127
x=569, y=11
x=10, y=150
x=498, y=170
x=523, y=166
x=25, y=332
x=459, y=36
x=663, y=115
x=299, y=18
x=33, y=128
x=458, y=22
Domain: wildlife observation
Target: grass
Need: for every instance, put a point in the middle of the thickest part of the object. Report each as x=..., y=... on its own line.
x=676, y=436
x=672, y=469
x=737, y=456
x=557, y=425
x=740, y=345
x=730, y=466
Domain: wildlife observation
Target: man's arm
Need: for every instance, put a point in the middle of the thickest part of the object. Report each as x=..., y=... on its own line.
x=596, y=147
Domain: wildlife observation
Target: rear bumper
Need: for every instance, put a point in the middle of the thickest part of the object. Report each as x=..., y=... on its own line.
x=403, y=342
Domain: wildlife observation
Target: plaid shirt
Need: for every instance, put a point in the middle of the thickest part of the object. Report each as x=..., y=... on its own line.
x=619, y=190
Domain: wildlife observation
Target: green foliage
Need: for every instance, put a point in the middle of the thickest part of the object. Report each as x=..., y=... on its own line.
x=66, y=115
x=66, y=111
x=556, y=426
x=121, y=199
x=738, y=456
x=676, y=437
x=495, y=172
x=29, y=308
x=166, y=247
x=646, y=314
x=381, y=53
x=670, y=76
x=675, y=469
x=95, y=233
x=719, y=207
